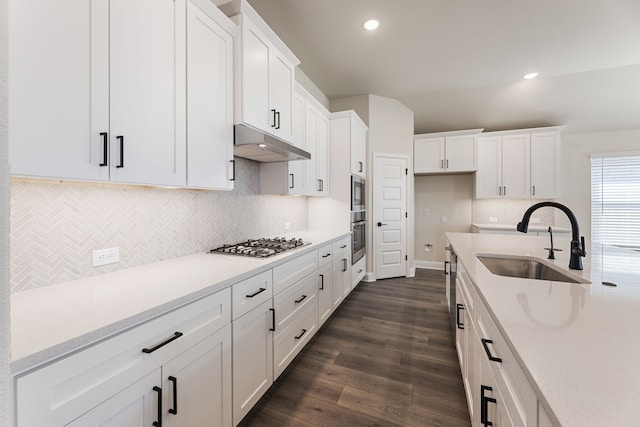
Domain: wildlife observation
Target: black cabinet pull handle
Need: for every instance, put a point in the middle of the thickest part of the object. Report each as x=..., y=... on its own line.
x=484, y=405
x=174, y=410
x=158, y=390
x=360, y=166
x=486, y=349
x=175, y=336
x=326, y=255
x=273, y=320
x=446, y=263
x=304, y=331
x=233, y=170
x=274, y=118
x=458, y=323
x=278, y=116
x=322, y=282
x=292, y=180
x=344, y=265
x=259, y=291
x=105, y=145
x=302, y=298
x=343, y=246
x=121, y=139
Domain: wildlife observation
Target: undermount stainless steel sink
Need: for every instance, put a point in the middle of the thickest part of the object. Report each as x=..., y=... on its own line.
x=526, y=268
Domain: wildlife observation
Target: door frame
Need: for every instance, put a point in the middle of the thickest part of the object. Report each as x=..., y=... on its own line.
x=371, y=235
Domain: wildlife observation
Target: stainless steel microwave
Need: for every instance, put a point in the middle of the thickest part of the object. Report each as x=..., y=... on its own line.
x=357, y=193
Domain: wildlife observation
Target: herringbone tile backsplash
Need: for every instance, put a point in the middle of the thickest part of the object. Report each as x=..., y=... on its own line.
x=55, y=227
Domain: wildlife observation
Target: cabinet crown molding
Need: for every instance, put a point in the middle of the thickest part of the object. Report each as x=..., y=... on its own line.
x=350, y=114
x=449, y=133
x=520, y=131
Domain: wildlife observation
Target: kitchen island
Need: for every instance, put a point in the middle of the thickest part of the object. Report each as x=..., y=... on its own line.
x=577, y=344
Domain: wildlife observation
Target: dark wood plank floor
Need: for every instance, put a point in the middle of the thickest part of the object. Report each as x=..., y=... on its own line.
x=385, y=358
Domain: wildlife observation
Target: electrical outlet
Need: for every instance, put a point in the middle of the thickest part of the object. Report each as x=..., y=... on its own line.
x=425, y=212
x=428, y=247
x=443, y=219
x=493, y=219
x=106, y=256
x=535, y=220
x=287, y=226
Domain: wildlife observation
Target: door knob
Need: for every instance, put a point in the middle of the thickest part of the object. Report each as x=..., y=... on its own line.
x=381, y=224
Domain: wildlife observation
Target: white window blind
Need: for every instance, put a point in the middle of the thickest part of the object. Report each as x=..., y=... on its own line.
x=615, y=201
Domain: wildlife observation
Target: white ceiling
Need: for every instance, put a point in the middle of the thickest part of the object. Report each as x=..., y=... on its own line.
x=458, y=63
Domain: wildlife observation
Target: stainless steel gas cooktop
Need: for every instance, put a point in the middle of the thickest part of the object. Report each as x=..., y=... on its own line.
x=260, y=248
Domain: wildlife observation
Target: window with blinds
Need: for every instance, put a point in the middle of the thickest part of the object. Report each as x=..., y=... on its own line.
x=615, y=201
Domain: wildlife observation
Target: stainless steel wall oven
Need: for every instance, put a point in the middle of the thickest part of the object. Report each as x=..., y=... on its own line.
x=357, y=193
x=358, y=235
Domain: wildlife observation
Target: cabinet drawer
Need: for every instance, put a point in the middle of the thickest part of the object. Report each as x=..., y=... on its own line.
x=358, y=271
x=325, y=255
x=250, y=293
x=290, y=272
x=294, y=299
x=58, y=393
x=294, y=337
x=341, y=246
x=519, y=398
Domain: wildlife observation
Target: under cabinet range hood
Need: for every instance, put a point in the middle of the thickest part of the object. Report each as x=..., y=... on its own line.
x=251, y=143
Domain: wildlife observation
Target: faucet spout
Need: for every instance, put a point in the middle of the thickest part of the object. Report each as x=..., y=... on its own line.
x=577, y=241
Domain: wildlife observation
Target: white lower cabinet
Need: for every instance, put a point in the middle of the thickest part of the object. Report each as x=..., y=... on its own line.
x=498, y=393
x=325, y=293
x=123, y=381
x=341, y=271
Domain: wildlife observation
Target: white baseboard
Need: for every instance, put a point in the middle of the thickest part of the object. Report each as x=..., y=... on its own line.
x=369, y=277
x=412, y=272
x=429, y=265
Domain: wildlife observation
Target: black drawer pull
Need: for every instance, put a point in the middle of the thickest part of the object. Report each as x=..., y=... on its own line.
x=274, y=118
x=233, y=170
x=175, y=336
x=486, y=349
x=292, y=181
x=326, y=255
x=121, y=139
x=344, y=265
x=278, y=116
x=158, y=423
x=484, y=405
x=458, y=322
x=304, y=331
x=259, y=291
x=322, y=282
x=105, y=144
x=302, y=298
x=446, y=264
x=343, y=246
x=273, y=319
x=174, y=380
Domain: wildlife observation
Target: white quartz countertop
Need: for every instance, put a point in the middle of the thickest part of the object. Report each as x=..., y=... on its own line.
x=512, y=227
x=578, y=344
x=49, y=322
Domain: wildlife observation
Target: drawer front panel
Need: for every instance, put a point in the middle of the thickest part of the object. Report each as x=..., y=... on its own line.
x=294, y=299
x=289, y=343
x=341, y=246
x=325, y=255
x=57, y=393
x=290, y=272
x=252, y=292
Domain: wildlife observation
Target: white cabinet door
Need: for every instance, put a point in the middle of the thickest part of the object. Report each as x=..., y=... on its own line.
x=489, y=174
x=135, y=406
x=255, y=78
x=429, y=155
x=296, y=179
x=51, y=59
x=460, y=153
x=311, y=145
x=197, y=384
x=322, y=156
x=341, y=277
x=209, y=98
x=515, y=166
x=281, y=81
x=358, y=150
x=325, y=293
x=146, y=96
x=544, y=164
x=252, y=358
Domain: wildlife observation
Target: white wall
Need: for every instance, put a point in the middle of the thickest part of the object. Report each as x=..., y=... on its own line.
x=437, y=196
x=576, y=170
x=359, y=104
x=5, y=336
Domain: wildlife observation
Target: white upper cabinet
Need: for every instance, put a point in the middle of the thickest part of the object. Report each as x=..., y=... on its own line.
x=358, y=148
x=519, y=164
x=445, y=152
x=98, y=91
x=210, y=38
x=265, y=74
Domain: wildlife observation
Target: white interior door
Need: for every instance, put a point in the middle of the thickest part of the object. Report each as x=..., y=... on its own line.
x=389, y=219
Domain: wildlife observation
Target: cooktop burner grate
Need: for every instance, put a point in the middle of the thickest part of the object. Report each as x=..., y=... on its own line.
x=260, y=248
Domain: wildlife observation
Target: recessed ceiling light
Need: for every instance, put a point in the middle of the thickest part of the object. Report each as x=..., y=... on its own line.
x=371, y=24
x=530, y=76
